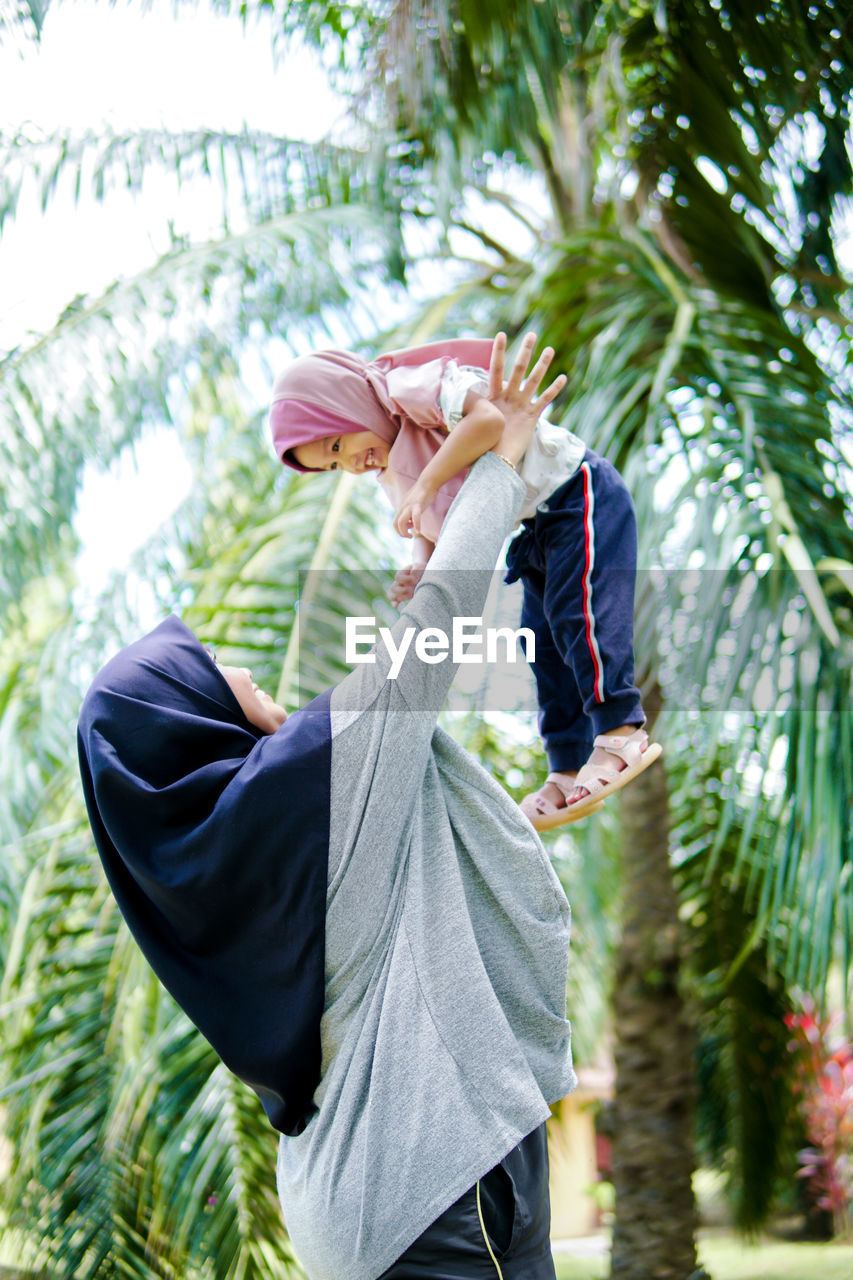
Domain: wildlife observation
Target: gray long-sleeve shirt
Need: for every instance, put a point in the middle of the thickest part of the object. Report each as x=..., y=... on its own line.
x=444, y=1036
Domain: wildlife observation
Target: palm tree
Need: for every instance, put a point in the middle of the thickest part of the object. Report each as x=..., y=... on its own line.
x=702, y=328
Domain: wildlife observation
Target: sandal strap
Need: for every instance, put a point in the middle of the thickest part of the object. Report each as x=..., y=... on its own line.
x=628, y=747
x=595, y=777
x=536, y=805
x=564, y=784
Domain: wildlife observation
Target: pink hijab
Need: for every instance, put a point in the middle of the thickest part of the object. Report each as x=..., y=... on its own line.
x=333, y=393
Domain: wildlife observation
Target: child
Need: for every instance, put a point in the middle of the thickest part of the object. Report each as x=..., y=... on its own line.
x=418, y=418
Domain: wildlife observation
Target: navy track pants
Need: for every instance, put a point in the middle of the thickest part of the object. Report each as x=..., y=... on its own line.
x=498, y=1228
x=577, y=561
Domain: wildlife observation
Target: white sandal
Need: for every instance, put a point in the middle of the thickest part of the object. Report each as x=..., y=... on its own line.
x=600, y=781
x=553, y=815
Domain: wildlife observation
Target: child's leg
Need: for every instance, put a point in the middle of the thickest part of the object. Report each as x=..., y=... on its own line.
x=565, y=729
x=589, y=541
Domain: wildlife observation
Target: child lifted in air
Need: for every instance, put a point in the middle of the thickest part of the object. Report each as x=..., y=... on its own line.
x=418, y=418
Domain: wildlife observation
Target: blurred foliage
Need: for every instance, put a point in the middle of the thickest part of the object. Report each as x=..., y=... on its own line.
x=746, y=1114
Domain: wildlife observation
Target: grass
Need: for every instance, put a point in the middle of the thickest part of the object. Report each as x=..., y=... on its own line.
x=727, y=1258
x=724, y=1257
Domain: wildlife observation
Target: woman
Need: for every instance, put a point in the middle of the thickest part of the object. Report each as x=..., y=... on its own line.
x=357, y=917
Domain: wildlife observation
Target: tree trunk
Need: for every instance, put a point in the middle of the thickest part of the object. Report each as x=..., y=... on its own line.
x=653, y=1158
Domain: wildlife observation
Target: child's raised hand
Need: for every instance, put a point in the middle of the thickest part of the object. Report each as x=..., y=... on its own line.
x=403, y=586
x=517, y=400
x=407, y=521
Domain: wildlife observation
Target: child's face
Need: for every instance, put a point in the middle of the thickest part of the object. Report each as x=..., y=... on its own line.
x=356, y=452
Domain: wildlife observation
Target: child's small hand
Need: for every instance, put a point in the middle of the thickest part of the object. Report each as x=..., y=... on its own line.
x=517, y=399
x=403, y=586
x=407, y=521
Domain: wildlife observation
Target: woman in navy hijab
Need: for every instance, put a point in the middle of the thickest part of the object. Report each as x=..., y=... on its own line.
x=188, y=773
x=356, y=916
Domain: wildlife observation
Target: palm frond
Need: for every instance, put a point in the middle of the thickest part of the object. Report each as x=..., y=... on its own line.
x=132, y=1142
x=203, y=304
x=22, y=21
x=254, y=176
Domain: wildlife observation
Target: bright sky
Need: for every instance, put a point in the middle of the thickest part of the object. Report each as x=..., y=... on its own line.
x=117, y=68
x=105, y=68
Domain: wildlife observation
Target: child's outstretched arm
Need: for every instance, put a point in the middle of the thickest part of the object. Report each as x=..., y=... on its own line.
x=478, y=431
x=517, y=412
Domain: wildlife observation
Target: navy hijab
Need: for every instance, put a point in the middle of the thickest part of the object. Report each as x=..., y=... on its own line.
x=214, y=837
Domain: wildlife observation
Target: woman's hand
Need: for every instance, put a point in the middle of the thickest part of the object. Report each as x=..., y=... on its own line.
x=407, y=521
x=403, y=586
x=517, y=400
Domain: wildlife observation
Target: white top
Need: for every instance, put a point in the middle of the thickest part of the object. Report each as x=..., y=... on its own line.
x=553, y=455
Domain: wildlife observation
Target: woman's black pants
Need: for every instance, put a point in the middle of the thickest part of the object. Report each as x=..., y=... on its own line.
x=499, y=1228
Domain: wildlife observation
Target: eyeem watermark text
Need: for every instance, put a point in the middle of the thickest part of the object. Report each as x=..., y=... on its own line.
x=469, y=642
